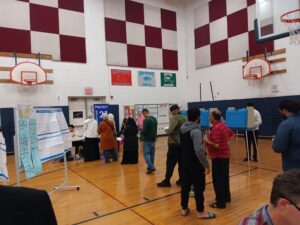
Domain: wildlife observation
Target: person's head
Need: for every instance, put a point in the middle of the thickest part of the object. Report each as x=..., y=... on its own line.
x=111, y=117
x=215, y=116
x=131, y=122
x=193, y=115
x=71, y=128
x=89, y=115
x=288, y=107
x=104, y=116
x=285, y=196
x=124, y=121
x=250, y=104
x=174, y=109
x=145, y=113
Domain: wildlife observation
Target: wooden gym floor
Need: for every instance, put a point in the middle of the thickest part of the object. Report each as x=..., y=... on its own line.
x=124, y=194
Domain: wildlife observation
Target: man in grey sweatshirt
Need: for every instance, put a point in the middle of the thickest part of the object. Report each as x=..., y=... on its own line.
x=194, y=164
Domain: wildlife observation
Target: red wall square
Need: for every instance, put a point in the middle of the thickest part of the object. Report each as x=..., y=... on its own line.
x=170, y=60
x=168, y=19
x=74, y=5
x=250, y=2
x=217, y=9
x=24, y=0
x=15, y=40
x=255, y=48
x=44, y=19
x=134, y=12
x=237, y=23
x=265, y=30
x=72, y=49
x=153, y=37
x=219, y=52
x=115, y=30
x=136, y=56
x=202, y=36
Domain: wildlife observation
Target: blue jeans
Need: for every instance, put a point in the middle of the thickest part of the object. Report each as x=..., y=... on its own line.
x=149, y=154
x=110, y=153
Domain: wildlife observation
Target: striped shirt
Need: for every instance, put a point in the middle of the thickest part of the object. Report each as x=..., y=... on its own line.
x=220, y=135
x=260, y=217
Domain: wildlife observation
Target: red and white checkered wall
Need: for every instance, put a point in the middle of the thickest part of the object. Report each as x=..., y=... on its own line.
x=224, y=31
x=140, y=35
x=55, y=27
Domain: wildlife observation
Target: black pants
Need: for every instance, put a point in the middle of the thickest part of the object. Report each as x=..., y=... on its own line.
x=195, y=177
x=220, y=175
x=174, y=156
x=77, y=144
x=252, y=141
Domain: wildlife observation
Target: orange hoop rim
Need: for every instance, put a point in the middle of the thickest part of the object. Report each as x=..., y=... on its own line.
x=283, y=20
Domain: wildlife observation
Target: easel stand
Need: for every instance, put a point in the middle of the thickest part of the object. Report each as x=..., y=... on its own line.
x=64, y=185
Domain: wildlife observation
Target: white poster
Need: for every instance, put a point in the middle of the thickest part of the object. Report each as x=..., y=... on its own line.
x=3, y=166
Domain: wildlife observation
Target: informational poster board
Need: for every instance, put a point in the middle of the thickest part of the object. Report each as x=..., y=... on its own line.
x=3, y=160
x=121, y=77
x=99, y=109
x=53, y=133
x=168, y=79
x=146, y=79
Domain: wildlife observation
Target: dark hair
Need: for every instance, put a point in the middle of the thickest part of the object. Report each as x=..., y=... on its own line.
x=193, y=114
x=289, y=105
x=250, y=104
x=217, y=115
x=124, y=120
x=131, y=122
x=145, y=110
x=71, y=126
x=286, y=185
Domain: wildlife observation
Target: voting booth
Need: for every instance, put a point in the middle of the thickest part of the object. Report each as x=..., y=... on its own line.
x=204, y=118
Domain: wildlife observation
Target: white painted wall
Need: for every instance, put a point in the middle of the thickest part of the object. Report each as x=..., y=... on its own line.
x=227, y=79
x=71, y=78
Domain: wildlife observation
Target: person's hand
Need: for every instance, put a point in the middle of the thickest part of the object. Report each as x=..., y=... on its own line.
x=207, y=170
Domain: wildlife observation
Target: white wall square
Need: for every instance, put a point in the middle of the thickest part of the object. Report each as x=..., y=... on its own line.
x=218, y=30
x=154, y=58
x=235, y=5
x=152, y=16
x=116, y=54
x=71, y=23
x=14, y=14
x=251, y=17
x=52, y=3
x=114, y=9
x=202, y=57
x=45, y=43
x=238, y=46
x=135, y=34
x=201, y=16
x=169, y=39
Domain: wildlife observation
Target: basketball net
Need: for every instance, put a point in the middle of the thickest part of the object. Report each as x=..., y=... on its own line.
x=292, y=21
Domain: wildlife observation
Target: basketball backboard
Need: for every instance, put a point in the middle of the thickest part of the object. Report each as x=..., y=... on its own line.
x=268, y=25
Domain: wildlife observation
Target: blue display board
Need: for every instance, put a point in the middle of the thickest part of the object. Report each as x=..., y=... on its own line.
x=99, y=109
x=237, y=118
x=204, y=118
x=183, y=113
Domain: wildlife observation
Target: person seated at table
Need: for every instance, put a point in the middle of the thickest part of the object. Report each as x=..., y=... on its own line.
x=77, y=140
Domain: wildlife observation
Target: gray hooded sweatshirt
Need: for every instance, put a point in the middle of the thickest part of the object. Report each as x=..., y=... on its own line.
x=196, y=136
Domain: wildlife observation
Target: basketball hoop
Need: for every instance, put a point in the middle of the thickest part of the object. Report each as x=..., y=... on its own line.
x=256, y=69
x=292, y=21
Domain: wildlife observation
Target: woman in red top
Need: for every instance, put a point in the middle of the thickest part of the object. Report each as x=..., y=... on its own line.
x=219, y=152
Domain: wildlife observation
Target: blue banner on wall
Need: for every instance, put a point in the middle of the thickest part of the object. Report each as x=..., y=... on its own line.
x=146, y=79
x=99, y=109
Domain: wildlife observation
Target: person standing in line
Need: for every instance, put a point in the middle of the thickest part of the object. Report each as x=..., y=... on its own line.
x=106, y=130
x=149, y=133
x=139, y=122
x=287, y=139
x=130, y=149
x=91, y=141
x=284, y=207
x=174, y=154
x=253, y=138
x=194, y=165
x=219, y=151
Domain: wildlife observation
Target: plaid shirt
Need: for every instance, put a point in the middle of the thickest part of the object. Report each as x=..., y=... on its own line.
x=259, y=217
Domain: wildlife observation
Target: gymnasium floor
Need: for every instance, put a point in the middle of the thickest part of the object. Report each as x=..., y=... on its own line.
x=124, y=194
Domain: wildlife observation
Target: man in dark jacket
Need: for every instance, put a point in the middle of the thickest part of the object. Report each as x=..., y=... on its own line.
x=174, y=149
x=194, y=165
